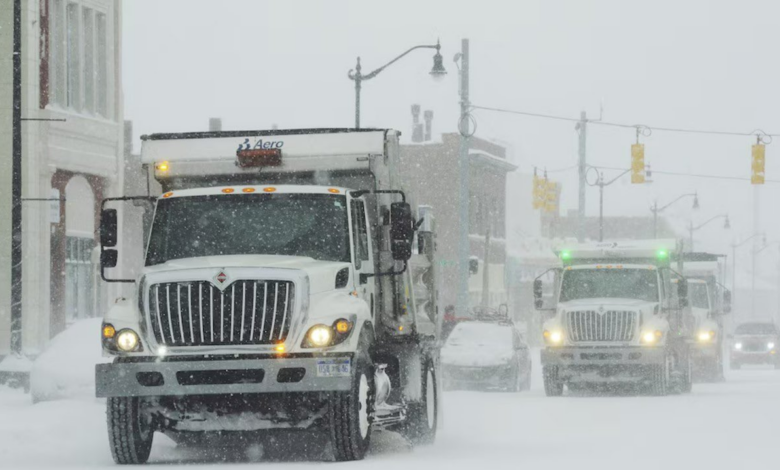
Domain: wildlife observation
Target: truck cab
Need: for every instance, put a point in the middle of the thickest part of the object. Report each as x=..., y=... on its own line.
x=287, y=283
x=616, y=318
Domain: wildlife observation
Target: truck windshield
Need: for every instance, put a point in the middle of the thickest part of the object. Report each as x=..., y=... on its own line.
x=698, y=295
x=640, y=284
x=313, y=225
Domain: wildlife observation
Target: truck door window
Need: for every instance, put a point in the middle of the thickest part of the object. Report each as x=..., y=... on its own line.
x=360, y=231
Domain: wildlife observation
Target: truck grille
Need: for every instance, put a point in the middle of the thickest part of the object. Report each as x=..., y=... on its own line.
x=592, y=326
x=199, y=314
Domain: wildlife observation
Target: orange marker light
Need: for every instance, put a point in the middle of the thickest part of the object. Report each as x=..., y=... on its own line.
x=228, y=190
x=343, y=326
x=248, y=190
x=167, y=195
x=279, y=348
x=108, y=331
x=269, y=189
x=162, y=166
x=401, y=328
x=334, y=191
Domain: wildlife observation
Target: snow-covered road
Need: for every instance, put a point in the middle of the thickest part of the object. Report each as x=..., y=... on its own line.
x=718, y=426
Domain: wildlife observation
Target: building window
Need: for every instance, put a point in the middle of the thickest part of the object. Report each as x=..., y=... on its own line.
x=79, y=289
x=89, y=59
x=78, y=58
x=73, y=48
x=101, y=83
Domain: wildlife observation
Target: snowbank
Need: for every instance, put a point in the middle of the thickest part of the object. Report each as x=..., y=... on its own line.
x=66, y=369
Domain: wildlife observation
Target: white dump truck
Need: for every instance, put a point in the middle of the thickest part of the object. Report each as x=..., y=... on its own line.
x=710, y=301
x=615, y=318
x=288, y=285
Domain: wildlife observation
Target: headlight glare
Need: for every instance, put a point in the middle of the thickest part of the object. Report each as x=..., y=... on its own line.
x=770, y=345
x=738, y=346
x=127, y=341
x=652, y=337
x=705, y=336
x=553, y=337
x=320, y=335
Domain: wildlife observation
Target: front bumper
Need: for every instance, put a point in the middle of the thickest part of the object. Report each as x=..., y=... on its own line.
x=754, y=357
x=213, y=377
x=603, y=364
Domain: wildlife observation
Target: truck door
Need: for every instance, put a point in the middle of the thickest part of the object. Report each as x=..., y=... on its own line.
x=362, y=253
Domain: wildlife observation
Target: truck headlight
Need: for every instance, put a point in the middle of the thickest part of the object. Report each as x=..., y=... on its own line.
x=127, y=340
x=706, y=336
x=770, y=345
x=553, y=337
x=737, y=346
x=320, y=336
x=652, y=337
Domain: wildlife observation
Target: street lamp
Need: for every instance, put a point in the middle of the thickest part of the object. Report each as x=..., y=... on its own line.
x=601, y=184
x=437, y=72
x=734, y=247
x=691, y=228
x=655, y=209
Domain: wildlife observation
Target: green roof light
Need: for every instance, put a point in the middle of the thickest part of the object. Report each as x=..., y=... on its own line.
x=662, y=254
x=565, y=255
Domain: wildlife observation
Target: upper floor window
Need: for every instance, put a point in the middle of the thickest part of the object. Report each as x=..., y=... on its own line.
x=78, y=58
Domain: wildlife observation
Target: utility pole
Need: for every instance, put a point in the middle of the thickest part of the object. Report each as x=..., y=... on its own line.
x=463, y=206
x=582, y=128
x=16, y=186
x=754, y=252
x=486, y=270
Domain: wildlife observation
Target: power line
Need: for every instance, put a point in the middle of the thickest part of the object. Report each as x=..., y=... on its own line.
x=694, y=175
x=627, y=126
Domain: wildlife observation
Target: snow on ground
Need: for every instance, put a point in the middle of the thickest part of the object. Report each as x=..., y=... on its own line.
x=718, y=426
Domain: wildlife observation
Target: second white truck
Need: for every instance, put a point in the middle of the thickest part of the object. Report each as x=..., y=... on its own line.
x=617, y=318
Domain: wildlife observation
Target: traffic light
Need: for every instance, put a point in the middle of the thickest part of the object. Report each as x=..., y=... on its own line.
x=551, y=197
x=540, y=187
x=637, y=163
x=758, y=164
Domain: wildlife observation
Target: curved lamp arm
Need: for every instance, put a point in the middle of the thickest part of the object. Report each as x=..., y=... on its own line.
x=661, y=209
x=354, y=74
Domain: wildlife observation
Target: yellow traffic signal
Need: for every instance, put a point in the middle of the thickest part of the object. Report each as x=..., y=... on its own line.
x=540, y=187
x=758, y=164
x=551, y=197
x=638, y=163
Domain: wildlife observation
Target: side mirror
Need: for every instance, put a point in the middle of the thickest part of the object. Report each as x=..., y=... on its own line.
x=401, y=230
x=538, y=301
x=473, y=266
x=727, y=301
x=109, y=227
x=682, y=292
x=109, y=258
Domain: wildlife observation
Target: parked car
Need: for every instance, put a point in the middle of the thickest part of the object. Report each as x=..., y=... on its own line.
x=486, y=355
x=755, y=343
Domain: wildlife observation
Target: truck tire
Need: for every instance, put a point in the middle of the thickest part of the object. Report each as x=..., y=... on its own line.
x=659, y=379
x=422, y=418
x=553, y=387
x=130, y=430
x=349, y=413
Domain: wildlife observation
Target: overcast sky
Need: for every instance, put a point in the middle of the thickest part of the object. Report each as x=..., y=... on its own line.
x=663, y=63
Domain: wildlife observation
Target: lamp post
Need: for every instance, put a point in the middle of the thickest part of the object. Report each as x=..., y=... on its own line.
x=601, y=184
x=357, y=76
x=734, y=247
x=655, y=209
x=691, y=228
x=464, y=246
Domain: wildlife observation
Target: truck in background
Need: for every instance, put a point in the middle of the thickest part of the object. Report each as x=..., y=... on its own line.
x=710, y=301
x=616, y=318
x=288, y=284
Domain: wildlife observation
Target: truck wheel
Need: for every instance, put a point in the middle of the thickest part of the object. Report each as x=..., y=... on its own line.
x=659, y=379
x=422, y=417
x=130, y=430
x=349, y=414
x=553, y=387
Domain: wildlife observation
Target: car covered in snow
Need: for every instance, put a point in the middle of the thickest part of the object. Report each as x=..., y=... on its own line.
x=486, y=355
x=755, y=343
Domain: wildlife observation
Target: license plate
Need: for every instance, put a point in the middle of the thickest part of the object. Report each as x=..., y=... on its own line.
x=334, y=368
